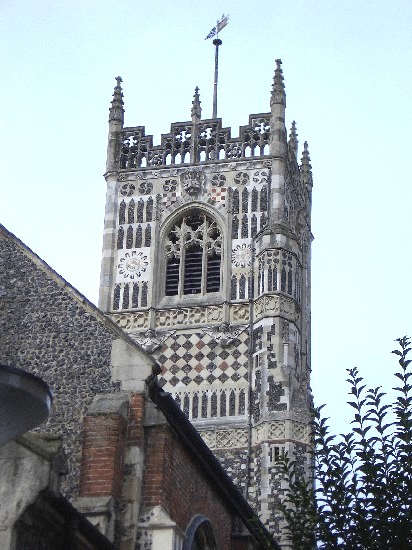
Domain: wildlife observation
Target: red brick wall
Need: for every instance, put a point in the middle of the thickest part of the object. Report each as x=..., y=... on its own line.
x=104, y=440
x=105, y=437
x=135, y=421
x=173, y=480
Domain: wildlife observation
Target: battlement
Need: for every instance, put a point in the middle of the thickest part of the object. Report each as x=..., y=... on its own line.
x=194, y=142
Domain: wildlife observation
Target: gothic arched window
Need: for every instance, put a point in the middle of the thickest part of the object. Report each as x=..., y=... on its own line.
x=193, y=255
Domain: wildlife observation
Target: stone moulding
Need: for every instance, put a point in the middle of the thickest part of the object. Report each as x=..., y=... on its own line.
x=275, y=305
x=168, y=172
x=188, y=201
x=239, y=313
x=225, y=439
x=139, y=320
x=284, y=430
x=189, y=316
x=127, y=321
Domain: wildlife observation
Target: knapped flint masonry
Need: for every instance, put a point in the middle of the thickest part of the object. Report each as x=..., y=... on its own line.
x=206, y=263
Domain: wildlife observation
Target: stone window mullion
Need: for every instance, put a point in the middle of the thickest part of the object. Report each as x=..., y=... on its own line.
x=204, y=259
x=182, y=271
x=194, y=243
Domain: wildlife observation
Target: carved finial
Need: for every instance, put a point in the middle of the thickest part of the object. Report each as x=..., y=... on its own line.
x=196, y=108
x=116, y=112
x=306, y=167
x=293, y=140
x=278, y=88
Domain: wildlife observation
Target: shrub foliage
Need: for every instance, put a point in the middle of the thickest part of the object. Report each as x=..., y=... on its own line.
x=361, y=494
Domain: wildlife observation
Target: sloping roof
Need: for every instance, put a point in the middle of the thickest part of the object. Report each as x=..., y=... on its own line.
x=74, y=293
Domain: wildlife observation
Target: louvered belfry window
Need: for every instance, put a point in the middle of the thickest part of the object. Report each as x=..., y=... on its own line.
x=193, y=256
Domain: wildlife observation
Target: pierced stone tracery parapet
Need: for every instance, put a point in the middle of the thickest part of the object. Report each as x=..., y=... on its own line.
x=210, y=142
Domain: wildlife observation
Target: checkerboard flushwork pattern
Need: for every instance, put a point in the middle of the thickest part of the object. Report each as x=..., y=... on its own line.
x=169, y=198
x=218, y=194
x=198, y=360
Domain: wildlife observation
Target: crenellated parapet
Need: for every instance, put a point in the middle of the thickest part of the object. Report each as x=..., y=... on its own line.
x=208, y=140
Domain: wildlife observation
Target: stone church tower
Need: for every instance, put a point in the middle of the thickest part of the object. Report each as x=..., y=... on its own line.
x=206, y=263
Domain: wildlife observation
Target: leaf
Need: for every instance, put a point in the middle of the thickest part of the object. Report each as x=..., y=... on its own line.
x=362, y=490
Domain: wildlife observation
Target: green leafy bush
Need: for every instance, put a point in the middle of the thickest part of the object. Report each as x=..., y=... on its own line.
x=361, y=494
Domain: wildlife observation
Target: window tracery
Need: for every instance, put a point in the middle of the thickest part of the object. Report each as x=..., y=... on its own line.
x=193, y=251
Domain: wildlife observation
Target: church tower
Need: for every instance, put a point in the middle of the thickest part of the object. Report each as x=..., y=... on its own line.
x=206, y=263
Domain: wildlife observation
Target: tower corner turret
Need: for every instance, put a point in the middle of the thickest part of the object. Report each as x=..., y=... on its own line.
x=116, y=121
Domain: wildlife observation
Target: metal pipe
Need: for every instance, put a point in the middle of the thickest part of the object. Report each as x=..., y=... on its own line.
x=217, y=42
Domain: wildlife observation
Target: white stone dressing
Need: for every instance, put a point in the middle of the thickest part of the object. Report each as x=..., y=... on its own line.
x=206, y=263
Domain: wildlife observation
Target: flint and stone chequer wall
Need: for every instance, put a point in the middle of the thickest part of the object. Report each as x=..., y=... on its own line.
x=141, y=201
x=46, y=329
x=210, y=382
x=207, y=380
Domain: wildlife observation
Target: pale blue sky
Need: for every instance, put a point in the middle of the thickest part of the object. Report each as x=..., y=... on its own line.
x=348, y=76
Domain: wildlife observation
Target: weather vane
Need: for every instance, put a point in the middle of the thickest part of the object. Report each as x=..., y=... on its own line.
x=217, y=42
